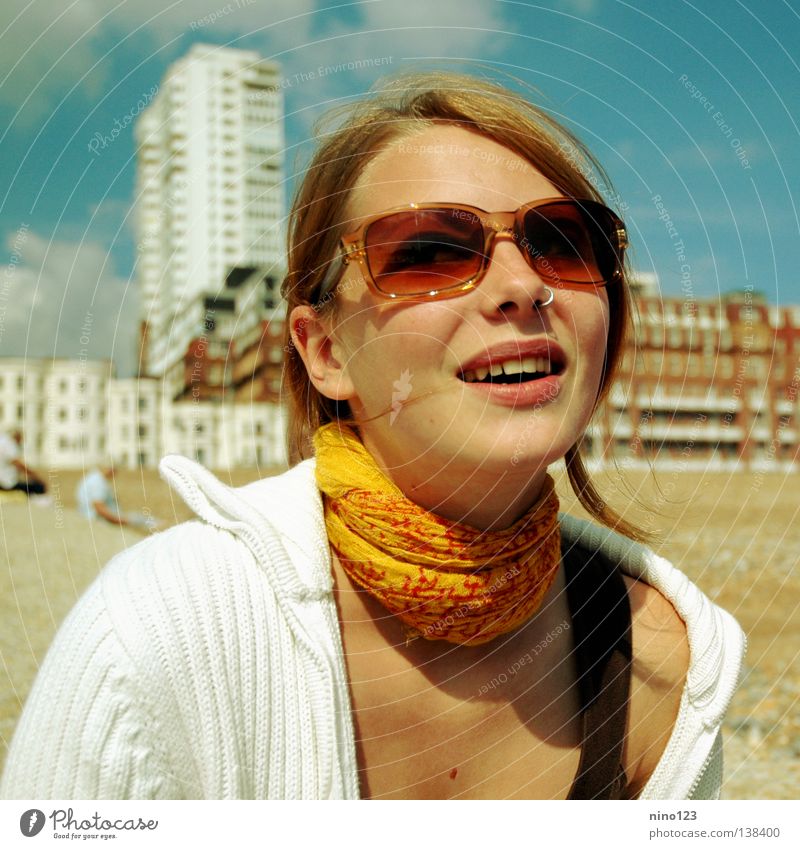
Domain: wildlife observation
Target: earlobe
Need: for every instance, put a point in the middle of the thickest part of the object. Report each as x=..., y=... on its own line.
x=312, y=336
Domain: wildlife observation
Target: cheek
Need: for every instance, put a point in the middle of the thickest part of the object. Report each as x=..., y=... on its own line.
x=591, y=326
x=399, y=353
x=373, y=363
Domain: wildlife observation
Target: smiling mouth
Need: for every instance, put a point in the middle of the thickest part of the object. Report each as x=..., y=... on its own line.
x=512, y=371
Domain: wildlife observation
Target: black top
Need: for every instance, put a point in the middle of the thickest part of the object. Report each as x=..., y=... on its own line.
x=601, y=622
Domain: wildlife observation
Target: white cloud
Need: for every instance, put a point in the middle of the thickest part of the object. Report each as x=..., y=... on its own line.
x=53, y=291
x=44, y=50
x=300, y=34
x=441, y=28
x=387, y=38
x=218, y=20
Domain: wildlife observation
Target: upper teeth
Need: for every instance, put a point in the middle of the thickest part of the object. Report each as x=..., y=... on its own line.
x=529, y=365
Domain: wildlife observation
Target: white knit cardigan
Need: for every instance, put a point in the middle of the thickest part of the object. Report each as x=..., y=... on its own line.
x=206, y=662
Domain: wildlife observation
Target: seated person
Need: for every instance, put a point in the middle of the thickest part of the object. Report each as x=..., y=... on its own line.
x=11, y=467
x=95, y=498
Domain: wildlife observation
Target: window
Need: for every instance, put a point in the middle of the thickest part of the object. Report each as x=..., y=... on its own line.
x=726, y=366
x=657, y=335
x=62, y=414
x=142, y=431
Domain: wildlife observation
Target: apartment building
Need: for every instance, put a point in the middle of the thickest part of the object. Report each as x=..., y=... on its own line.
x=210, y=195
x=59, y=405
x=75, y=414
x=707, y=384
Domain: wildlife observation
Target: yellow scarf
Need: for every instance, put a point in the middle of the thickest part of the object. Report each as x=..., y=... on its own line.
x=445, y=581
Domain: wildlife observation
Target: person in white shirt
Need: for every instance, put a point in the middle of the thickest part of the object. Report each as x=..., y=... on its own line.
x=15, y=476
x=405, y=613
x=95, y=498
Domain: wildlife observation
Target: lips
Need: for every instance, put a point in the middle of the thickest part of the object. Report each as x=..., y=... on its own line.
x=515, y=363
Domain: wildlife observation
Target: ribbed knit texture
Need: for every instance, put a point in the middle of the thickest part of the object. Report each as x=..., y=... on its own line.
x=206, y=662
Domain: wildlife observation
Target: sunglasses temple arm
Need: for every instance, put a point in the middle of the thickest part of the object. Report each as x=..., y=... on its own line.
x=334, y=272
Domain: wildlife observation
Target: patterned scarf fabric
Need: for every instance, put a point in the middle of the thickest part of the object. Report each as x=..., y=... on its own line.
x=444, y=580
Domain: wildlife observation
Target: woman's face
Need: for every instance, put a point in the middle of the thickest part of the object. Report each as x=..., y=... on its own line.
x=402, y=366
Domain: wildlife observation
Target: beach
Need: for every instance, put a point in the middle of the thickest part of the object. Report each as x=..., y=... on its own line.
x=736, y=535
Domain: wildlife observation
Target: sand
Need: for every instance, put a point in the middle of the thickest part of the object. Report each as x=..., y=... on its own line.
x=737, y=536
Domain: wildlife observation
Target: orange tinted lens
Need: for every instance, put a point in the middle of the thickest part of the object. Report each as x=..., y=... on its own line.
x=424, y=250
x=570, y=242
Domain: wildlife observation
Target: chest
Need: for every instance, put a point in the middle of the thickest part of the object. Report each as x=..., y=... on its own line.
x=472, y=724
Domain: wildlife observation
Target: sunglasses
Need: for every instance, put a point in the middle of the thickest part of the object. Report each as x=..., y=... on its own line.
x=431, y=251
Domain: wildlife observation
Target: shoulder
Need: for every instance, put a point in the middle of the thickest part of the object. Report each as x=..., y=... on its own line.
x=91, y=481
x=176, y=569
x=661, y=660
x=252, y=549
x=278, y=502
x=661, y=641
x=687, y=659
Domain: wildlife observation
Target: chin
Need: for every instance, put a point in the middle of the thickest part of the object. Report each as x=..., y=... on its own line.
x=512, y=452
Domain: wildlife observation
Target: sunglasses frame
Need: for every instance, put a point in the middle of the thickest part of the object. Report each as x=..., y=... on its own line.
x=495, y=225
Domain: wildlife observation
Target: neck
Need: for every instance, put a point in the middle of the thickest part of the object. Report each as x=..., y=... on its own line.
x=364, y=622
x=480, y=498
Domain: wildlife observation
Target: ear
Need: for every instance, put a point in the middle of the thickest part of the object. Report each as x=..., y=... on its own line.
x=312, y=336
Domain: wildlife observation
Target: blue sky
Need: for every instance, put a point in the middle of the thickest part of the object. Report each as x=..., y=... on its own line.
x=694, y=104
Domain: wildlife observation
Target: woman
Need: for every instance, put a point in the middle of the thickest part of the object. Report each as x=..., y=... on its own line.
x=405, y=615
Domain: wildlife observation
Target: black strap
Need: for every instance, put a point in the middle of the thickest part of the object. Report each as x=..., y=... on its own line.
x=601, y=622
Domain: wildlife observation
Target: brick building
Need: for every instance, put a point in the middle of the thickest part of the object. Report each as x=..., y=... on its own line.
x=709, y=384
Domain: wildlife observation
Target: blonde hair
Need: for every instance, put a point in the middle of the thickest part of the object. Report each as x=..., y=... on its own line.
x=404, y=104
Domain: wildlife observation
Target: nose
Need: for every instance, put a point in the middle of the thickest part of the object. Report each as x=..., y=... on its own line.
x=510, y=285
